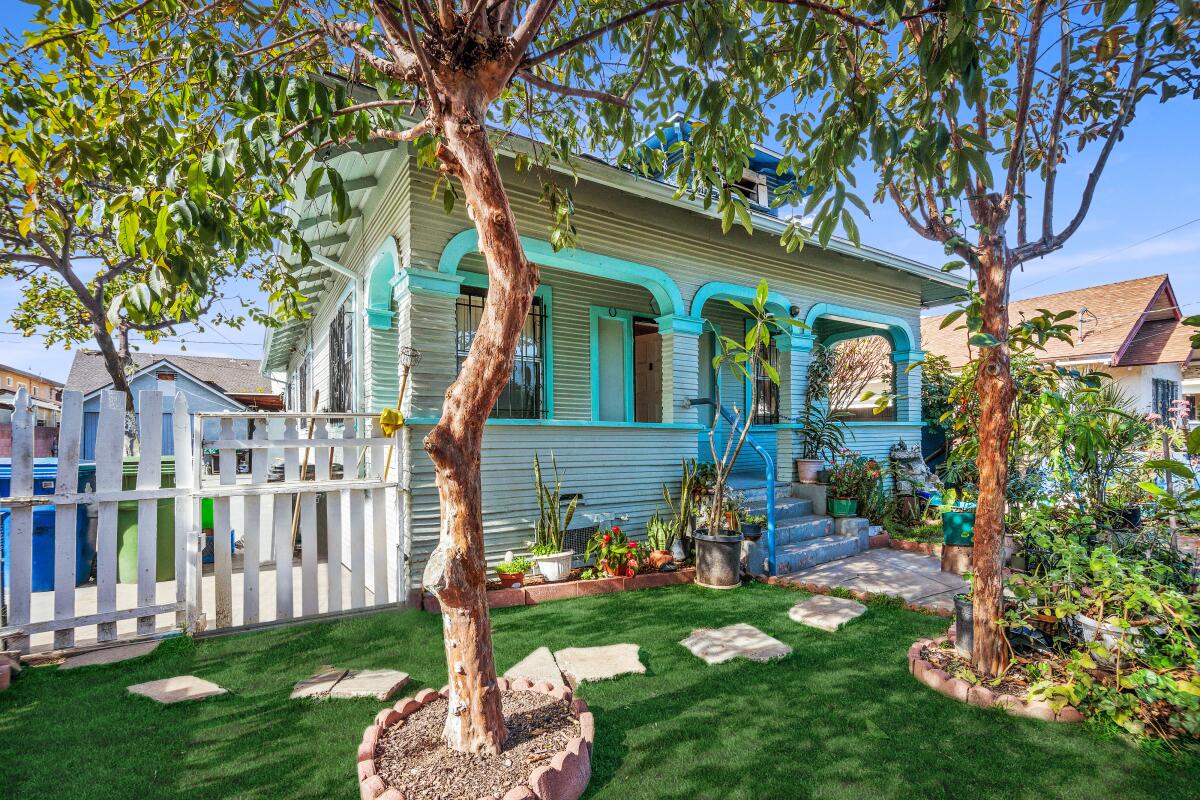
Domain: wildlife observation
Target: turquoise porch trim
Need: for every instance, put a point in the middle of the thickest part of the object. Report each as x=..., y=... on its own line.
x=546, y=295
x=421, y=280
x=675, y=323
x=660, y=285
x=901, y=334
x=720, y=290
x=379, y=286
x=576, y=423
x=908, y=356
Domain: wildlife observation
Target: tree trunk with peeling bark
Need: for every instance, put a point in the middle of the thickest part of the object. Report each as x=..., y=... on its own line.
x=457, y=570
x=994, y=385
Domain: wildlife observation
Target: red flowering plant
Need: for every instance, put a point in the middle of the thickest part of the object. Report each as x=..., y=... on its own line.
x=853, y=476
x=615, y=553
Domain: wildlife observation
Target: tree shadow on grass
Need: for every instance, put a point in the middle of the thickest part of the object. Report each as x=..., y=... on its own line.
x=839, y=718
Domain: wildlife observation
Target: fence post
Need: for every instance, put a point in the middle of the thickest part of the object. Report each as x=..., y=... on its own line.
x=20, y=544
x=187, y=574
x=66, y=516
x=110, y=444
x=149, y=476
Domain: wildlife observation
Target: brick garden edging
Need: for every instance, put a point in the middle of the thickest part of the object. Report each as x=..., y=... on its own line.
x=861, y=596
x=565, y=778
x=565, y=590
x=924, y=548
x=942, y=682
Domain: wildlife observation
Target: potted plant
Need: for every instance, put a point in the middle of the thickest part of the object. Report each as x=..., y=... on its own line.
x=958, y=518
x=552, y=560
x=718, y=542
x=849, y=479
x=683, y=515
x=1122, y=506
x=752, y=525
x=822, y=434
x=616, y=555
x=660, y=535
x=511, y=571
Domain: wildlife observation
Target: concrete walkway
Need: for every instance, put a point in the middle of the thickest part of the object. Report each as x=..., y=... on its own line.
x=911, y=576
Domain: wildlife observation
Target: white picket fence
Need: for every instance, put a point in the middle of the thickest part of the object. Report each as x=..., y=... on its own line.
x=359, y=529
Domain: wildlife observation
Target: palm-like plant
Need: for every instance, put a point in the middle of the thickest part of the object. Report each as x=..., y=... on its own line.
x=551, y=527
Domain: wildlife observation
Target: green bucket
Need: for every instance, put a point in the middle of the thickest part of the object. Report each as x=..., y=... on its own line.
x=842, y=507
x=958, y=527
x=127, y=526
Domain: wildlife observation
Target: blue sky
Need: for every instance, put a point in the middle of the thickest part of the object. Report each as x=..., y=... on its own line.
x=1151, y=186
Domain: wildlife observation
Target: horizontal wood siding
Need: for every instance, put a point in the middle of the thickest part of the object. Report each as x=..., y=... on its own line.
x=617, y=469
x=686, y=245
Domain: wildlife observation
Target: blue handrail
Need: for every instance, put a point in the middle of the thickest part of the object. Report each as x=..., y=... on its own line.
x=769, y=464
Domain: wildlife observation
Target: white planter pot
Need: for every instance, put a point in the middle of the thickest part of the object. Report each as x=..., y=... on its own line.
x=1110, y=636
x=556, y=567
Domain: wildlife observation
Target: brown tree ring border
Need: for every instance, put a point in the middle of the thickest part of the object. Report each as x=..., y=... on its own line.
x=565, y=778
x=942, y=682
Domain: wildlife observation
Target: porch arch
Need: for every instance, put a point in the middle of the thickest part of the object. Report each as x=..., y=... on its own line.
x=660, y=285
x=720, y=290
x=379, y=288
x=898, y=330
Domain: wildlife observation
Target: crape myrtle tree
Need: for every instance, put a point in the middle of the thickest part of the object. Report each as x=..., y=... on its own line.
x=122, y=208
x=975, y=161
x=452, y=80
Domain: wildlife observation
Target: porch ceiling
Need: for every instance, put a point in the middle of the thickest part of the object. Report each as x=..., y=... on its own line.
x=361, y=168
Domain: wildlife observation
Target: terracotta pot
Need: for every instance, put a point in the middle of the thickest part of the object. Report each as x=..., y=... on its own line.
x=510, y=579
x=808, y=469
x=660, y=558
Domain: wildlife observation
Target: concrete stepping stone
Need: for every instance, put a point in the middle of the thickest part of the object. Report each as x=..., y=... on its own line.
x=741, y=640
x=177, y=689
x=581, y=664
x=825, y=612
x=320, y=685
x=378, y=683
x=109, y=655
x=538, y=666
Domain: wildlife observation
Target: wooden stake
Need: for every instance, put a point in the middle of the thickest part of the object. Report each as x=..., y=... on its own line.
x=387, y=462
x=312, y=423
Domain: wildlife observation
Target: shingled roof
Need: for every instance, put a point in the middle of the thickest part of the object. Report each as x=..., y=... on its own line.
x=1128, y=323
x=229, y=376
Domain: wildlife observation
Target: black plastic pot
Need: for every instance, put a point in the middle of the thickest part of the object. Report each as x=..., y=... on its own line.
x=1128, y=518
x=964, y=624
x=752, y=531
x=718, y=559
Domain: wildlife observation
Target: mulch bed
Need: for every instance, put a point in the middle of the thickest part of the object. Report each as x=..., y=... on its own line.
x=412, y=758
x=1014, y=682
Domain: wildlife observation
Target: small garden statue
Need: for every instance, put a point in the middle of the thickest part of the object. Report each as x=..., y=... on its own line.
x=911, y=473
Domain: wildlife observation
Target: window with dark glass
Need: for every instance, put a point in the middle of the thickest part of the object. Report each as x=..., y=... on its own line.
x=341, y=361
x=766, y=407
x=524, y=395
x=1166, y=392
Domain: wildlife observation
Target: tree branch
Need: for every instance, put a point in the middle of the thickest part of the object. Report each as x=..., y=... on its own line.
x=571, y=91
x=1026, y=70
x=1056, y=119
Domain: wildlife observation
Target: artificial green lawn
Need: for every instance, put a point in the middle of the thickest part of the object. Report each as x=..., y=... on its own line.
x=840, y=718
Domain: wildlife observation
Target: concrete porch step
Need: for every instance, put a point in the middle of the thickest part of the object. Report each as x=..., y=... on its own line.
x=802, y=529
x=802, y=555
x=786, y=509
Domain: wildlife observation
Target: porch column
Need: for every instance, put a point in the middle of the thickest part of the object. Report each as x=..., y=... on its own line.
x=908, y=384
x=680, y=366
x=795, y=353
x=425, y=313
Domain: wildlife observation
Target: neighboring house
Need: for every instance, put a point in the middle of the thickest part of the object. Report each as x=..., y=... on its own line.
x=45, y=398
x=619, y=340
x=45, y=395
x=1131, y=330
x=1191, y=388
x=210, y=384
